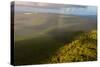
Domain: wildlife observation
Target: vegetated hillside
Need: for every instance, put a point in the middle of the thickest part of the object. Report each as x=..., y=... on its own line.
x=83, y=48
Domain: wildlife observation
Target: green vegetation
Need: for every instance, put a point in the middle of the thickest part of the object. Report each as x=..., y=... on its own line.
x=83, y=48
x=53, y=48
